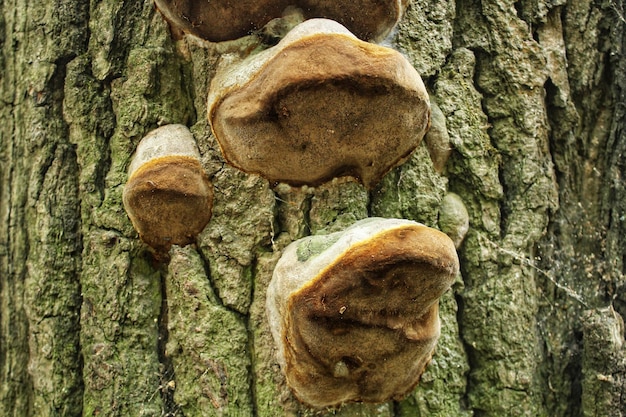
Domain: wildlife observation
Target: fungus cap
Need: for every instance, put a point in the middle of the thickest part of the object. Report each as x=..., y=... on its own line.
x=320, y=104
x=218, y=21
x=454, y=218
x=437, y=139
x=354, y=314
x=168, y=196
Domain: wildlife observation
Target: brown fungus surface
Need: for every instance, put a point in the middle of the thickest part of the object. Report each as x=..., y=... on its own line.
x=218, y=21
x=320, y=104
x=355, y=314
x=168, y=196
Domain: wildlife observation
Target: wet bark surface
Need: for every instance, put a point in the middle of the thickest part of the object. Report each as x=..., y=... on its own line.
x=533, y=97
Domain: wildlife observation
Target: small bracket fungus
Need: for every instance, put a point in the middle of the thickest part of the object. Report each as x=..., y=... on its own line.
x=355, y=314
x=437, y=139
x=168, y=196
x=218, y=21
x=454, y=218
x=320, y=104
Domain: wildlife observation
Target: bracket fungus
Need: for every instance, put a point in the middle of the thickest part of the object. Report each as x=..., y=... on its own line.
x=454, y=218
x=218, y=21
x=355, y=314
x=320, y=104
x=168, y=196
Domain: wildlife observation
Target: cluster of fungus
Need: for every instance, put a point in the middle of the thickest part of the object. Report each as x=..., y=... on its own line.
x=354, y=314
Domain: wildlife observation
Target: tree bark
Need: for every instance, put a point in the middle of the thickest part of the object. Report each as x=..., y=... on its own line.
x=533, y=98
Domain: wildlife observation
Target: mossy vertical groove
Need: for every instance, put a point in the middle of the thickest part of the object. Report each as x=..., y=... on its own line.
x=167, y=385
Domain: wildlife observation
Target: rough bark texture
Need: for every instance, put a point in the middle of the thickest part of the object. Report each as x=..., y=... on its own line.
x=533, y=96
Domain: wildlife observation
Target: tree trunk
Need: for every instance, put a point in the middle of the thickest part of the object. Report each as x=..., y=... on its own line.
x=533, y=95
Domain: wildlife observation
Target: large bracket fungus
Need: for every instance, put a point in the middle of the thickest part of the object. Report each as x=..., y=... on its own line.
x=318, y=105
x=355, y=314
x=218, y=21
x=168, y=196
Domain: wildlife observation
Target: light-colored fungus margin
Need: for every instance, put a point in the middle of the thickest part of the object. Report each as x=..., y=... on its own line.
x=168, y=196
x=320, y=104
x=355, y=314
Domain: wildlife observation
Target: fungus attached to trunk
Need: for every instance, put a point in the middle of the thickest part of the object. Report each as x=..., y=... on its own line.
x=218, y=21
x=454, y=218
x=318, y=105
x=355, y=314
x=168, y=196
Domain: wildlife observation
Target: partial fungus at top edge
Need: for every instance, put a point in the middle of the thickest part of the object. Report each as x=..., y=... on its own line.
x=218, y=21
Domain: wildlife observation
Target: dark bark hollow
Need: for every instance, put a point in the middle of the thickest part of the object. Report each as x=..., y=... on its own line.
x=168, y=196
x=355, y=313
x=218, y=21
x=319, y=105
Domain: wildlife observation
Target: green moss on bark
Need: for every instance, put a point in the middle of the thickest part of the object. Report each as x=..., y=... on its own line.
x=604, y=364
x=208, y=344
x=412, y=191
x=242, y=222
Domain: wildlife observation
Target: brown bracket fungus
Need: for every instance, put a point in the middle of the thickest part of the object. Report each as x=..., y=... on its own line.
x=320, y=104
x=168, y=196
x=218, y=21
x=355, y=314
